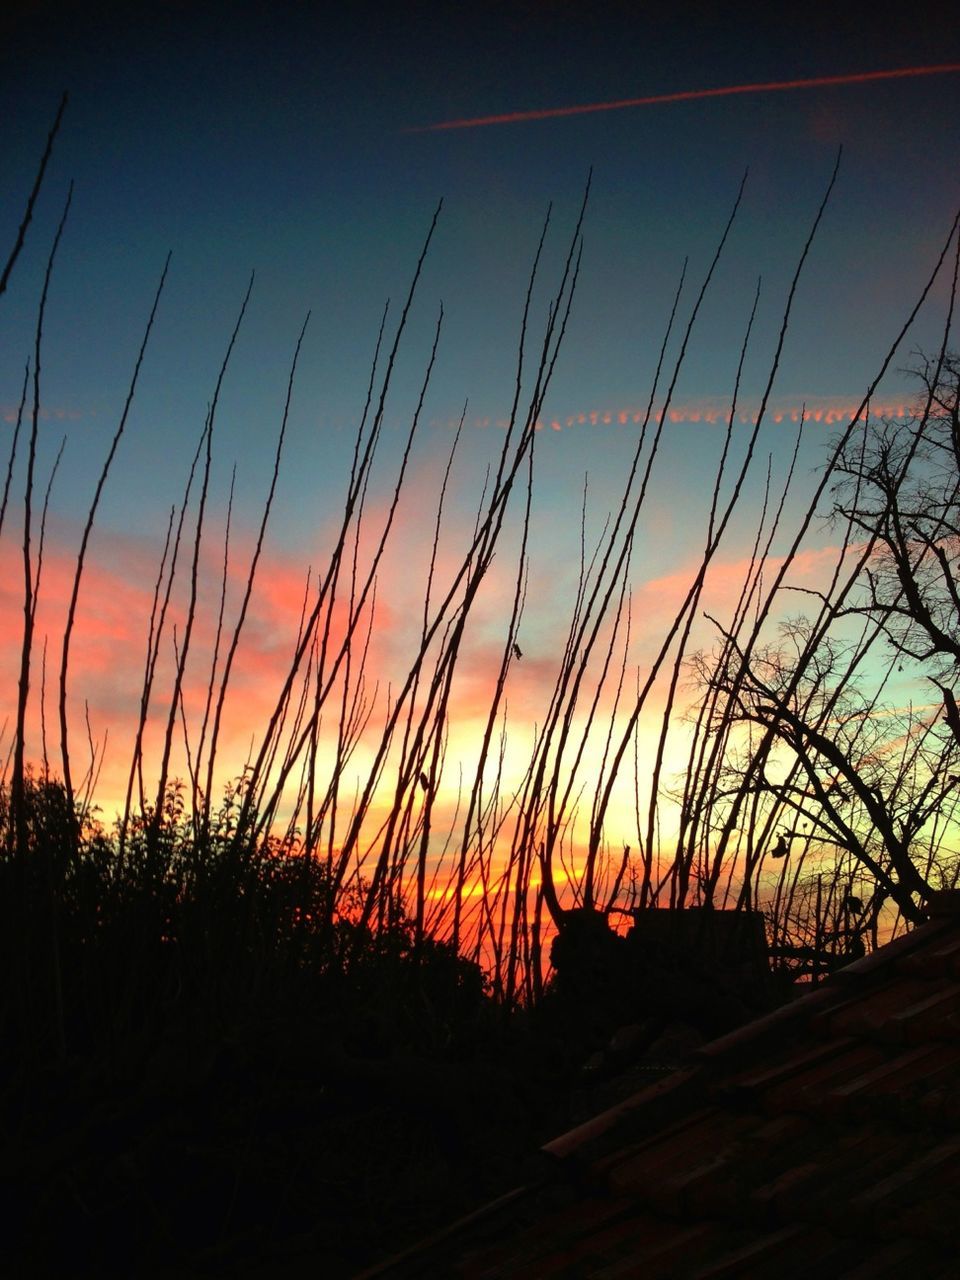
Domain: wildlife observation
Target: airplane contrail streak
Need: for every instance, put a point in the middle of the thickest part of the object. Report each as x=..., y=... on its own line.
x=688, y=95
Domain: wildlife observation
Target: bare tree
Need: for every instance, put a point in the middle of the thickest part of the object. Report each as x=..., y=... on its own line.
x=837, y=762
x=901, y=486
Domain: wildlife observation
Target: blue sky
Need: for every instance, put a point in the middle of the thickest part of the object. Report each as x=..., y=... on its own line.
x=283, y=140
x=273, y=138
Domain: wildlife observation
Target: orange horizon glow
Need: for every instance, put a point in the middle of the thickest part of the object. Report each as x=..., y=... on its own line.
x=105, y=684
x=687, y=95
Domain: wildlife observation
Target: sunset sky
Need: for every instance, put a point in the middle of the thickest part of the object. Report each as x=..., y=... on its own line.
x=299, y=145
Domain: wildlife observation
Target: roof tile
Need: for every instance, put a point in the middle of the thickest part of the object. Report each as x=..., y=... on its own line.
x=823, y=1139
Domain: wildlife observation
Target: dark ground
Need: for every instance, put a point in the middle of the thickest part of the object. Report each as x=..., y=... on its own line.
x=333, y=1136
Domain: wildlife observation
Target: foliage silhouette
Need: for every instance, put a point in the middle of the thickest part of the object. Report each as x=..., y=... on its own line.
x=309, y=1019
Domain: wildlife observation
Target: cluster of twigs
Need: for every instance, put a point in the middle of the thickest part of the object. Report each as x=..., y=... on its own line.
x=518, y=855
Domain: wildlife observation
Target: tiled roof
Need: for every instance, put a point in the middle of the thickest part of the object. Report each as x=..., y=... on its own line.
x=822, y=1140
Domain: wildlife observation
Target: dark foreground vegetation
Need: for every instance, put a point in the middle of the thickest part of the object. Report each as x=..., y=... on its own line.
x=202, y=1075
x=249, y=1024
x=198, y=1071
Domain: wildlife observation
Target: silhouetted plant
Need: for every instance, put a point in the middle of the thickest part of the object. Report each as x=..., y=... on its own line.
x=300, y=936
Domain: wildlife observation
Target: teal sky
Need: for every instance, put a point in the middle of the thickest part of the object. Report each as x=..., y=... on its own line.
x=274, y=139
x=283, y=140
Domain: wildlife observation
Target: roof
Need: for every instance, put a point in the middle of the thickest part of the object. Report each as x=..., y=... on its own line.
x=821, y=1139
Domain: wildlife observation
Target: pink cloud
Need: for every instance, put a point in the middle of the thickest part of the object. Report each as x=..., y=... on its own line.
x=829, y=410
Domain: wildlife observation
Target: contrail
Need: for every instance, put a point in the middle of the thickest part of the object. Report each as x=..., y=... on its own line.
x=689, y=95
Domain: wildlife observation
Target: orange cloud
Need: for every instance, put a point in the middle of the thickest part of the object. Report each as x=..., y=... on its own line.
x=829, y=410
x=58, y=413
x=714, y=410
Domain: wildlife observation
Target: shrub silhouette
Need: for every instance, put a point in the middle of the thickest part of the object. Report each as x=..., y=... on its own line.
x=223, y=1025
